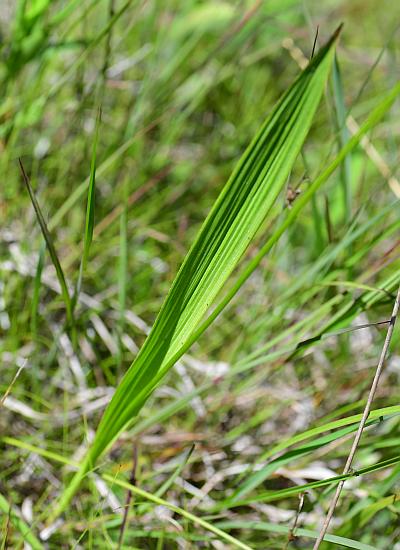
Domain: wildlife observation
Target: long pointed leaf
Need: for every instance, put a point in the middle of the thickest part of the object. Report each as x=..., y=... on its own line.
x=238, y=213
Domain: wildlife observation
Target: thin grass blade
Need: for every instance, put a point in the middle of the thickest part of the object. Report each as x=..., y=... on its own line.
x=50, y=248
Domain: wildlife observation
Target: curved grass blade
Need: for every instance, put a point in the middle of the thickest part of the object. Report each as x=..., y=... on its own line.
x=50, y=248
x=237, y=215
x=370, y=511
x=268, y=496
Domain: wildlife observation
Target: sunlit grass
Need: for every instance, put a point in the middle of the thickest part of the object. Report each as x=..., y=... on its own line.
x=194, y=352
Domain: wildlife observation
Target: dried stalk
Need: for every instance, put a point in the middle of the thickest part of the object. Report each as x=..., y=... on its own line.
x=363, y=421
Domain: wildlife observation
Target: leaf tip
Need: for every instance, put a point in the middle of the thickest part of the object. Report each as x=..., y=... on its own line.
x=337, y=32
x=24, y=175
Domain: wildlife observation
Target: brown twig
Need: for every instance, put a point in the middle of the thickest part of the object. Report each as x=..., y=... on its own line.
x=363, y=421
x=107, y=49
x=8, y=390
x=292, y=535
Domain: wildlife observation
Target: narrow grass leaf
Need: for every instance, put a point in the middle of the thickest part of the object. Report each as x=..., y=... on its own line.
x=266, y=471
x=233, y=542
x=370, y=511
x=50, y=248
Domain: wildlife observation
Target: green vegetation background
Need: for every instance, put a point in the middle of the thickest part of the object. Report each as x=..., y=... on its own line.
x=183, y=87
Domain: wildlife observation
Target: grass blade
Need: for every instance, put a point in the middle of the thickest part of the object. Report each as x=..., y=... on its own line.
x=234, y=542
x=50, y=248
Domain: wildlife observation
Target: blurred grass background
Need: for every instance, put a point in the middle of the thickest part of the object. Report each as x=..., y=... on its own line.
x=183, y=87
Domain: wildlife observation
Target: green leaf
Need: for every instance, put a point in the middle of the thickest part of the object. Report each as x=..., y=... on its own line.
x=237, y=215
x=50, y=247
